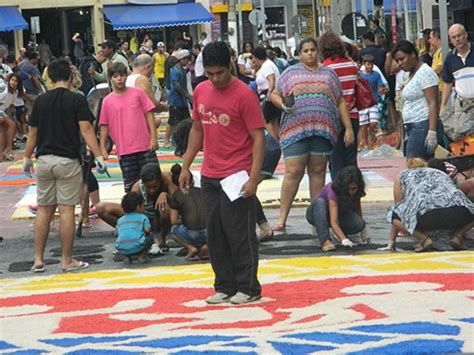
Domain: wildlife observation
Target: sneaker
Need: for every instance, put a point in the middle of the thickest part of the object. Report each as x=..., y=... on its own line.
x=33, y=209
x=241, y=298
x=218, y=298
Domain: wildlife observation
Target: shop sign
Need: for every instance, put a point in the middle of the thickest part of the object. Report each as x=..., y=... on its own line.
x=152, y=2
x=35, y=24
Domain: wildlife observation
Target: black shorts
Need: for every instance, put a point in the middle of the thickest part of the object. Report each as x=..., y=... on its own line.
x=132, y=164
x=270, y=111
x=178, y=114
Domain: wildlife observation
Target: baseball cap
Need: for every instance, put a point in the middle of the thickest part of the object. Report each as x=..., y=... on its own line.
x=76, y=36
x=181, y=54
x=160, y=44
x=108, y=43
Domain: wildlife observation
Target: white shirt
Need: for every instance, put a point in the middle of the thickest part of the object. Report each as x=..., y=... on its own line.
x=198, y=66
x=7, y=99
x=415, y=105
x=245, y=61
x=268, y=68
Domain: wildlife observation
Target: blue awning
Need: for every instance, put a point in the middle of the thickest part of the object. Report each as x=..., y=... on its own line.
x=127, y=17
x=11, y=19
x=387, y=6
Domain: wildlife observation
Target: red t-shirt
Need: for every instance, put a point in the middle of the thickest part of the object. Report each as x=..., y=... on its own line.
x=227, y=116
x=346, y=70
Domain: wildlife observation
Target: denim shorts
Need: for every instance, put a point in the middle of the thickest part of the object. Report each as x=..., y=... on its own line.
x=315, y=145
x=272, y=156
x=415, y=135
x=190, y=236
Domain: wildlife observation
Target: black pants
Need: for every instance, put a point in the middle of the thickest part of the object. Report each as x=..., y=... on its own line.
x=232, y=242
x=343, y=156
x=445, y=218
x=261, y=218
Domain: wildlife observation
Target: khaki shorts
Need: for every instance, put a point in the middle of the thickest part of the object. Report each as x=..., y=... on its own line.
x=29, y=103
x=58, y=180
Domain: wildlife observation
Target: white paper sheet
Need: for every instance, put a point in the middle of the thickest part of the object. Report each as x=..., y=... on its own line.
x=232, y=184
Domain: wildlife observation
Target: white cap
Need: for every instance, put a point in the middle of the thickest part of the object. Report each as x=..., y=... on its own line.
x=160, y=44
x=181, y=54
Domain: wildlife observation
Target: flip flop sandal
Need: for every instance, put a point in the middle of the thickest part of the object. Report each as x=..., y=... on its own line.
x=456, y=243
x=38, y=269
x=279, y=228
x=192, y=258
x=81, y=265
x=329, y=247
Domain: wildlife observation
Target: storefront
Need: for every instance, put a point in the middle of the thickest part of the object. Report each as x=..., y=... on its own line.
x=11, y=22
x=96, y=20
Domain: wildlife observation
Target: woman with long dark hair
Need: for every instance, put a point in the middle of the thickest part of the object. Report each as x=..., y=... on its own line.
x=338, y=207
x=13, y=89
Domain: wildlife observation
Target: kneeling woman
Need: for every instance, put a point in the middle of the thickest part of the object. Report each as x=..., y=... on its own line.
x=427, y=199
x=156, y=188
x=338, y=206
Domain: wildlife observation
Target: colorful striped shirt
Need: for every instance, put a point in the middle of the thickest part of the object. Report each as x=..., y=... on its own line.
x=316, y=111
x=347, y=71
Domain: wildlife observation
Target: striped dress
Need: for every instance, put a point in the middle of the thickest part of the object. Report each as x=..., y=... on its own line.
x=316, y=111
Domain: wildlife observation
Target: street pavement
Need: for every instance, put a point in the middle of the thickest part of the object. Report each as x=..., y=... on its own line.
x=359, y=300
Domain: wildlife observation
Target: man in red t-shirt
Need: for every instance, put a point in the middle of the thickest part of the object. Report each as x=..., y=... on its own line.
x=228, y=124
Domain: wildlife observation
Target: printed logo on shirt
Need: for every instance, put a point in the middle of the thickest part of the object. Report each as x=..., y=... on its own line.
x=211, y=118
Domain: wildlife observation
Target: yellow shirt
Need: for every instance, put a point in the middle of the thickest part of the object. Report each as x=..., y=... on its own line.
x=48, y=83
x=133, y=45
x=159, y=65
x=437, y=66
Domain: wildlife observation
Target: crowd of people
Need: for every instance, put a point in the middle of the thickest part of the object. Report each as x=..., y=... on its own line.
x=244, y=110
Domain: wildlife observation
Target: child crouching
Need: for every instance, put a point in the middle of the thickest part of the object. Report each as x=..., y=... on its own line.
x=133, y=229
x=187, y=217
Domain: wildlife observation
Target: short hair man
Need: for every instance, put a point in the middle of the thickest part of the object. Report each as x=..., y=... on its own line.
x=141, y=78
x=178, y=95
x=458, y=68
x=437, y=62
x=109, y=51
x=370, y=47
x=228, y=123
x=32, y=85
x=54, y=131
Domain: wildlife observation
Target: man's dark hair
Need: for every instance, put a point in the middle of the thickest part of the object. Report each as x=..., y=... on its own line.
x=260, y=53
x=150, y=172
x=33, y=55
x=216, y=54
x=131, y=201
x=369, y=36
x=376, y=22
x=406, y=47
x=197, y=46
x=179, y=45
x=435, y=32
x=10, y=59
x=368, y=58
x=117, y=68
x=59, y=70
x=108, y=43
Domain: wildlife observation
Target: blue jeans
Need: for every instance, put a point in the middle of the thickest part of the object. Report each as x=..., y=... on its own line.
x=317, y=214
x=415, y=135
x=195, y=237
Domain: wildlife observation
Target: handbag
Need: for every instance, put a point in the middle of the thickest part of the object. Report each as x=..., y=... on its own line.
x=363, y=95
x=458, y=118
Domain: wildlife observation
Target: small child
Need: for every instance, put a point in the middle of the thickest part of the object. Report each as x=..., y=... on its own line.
x=133, y=229
x=370, y=117
x=338, y=206
x=187, y=217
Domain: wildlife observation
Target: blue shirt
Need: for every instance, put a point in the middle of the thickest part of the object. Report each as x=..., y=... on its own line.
x=131, y=236
x=375, y=82
x=175, y=98
x=460, y=72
